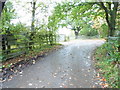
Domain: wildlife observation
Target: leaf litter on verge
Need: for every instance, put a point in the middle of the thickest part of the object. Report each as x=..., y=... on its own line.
x=34, y=61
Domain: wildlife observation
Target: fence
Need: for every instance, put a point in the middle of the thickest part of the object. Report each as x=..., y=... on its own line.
x=16, y=45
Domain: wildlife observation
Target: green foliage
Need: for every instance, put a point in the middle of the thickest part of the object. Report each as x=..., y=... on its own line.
x=108, y=60
x=75, y=14
x=88, y=32
x=59, y=13
x=7, y=15
x=104, y=31
x=17, y=38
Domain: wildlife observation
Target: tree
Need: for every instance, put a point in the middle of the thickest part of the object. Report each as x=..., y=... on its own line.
x=72, y=14
x=35, y=6
x=110, y=9
x=5, y=23
x=1, y=38
x=1, y=6
x=76, y=10
x=76, y=31
x=33, y=3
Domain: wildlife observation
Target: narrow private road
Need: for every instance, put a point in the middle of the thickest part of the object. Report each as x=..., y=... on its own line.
x=69, y=67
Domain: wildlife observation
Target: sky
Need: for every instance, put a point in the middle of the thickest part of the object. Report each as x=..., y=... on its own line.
x=23, y=10
x=24, y=6
x=24, y=16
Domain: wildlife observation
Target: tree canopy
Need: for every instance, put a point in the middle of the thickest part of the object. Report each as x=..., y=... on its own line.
x=75, y=12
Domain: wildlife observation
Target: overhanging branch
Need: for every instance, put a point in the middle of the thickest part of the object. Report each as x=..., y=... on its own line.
x=1, y=6
x=106, y=12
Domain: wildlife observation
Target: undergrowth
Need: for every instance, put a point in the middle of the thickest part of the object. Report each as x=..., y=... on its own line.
x=108, y=63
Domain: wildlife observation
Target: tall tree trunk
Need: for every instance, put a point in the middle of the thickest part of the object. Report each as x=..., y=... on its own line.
x=33, y=16
x=76, y=34
x=77, y=30
x=2, y=38
x=1, y=6
x=3, y=44
x=32, y=25
x=113, y=14
x=9, y=35
x=110, y=14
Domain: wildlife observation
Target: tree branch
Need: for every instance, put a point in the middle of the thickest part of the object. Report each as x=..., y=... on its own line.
x=1, y=6
x=116, y=4
x=106, y=12
x=109, y=5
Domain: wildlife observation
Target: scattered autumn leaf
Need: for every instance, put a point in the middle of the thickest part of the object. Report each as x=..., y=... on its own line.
x=103, y=79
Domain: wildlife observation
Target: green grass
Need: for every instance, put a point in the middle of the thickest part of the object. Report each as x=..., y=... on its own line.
x=107, y=61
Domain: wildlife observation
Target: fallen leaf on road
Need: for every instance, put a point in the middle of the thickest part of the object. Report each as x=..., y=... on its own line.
x=54, y=76
x=21, y=75
x=30, y=84
x=60, y=86
x=88, y=56
x=82, y=69
x=96, y=83
x=20, y=72
x=20, y=65
x=105, y=85
x=88, y=70
x=94, y=86
x=65, y=86
x=55, y=73
x=64, y=74
x=40, y=81
x=71, y=84
x=69, y=77
x=34, y=61
x=9, y=79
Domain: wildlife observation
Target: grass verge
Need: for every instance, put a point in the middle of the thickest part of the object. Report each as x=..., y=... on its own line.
x=108, y=63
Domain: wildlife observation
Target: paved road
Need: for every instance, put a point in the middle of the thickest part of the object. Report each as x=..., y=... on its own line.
x=69, y=67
